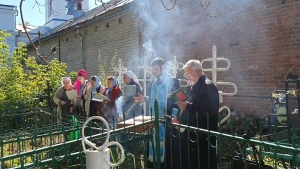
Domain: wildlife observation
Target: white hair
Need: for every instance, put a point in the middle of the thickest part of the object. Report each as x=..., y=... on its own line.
x=195, y=64
x=65, y=78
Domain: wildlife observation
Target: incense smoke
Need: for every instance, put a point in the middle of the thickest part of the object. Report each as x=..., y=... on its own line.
x=119, y=104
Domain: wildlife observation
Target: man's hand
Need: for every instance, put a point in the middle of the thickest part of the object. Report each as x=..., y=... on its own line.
x=182, y=105
x=62, y=103
x=139, y=98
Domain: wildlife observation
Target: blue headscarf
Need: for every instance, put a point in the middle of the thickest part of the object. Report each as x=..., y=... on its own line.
x=110, y=88
x=97, y=85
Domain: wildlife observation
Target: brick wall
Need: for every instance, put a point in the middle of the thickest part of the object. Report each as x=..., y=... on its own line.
x=104, y=44
x=260, y=38
x=99, y=44
x=45, y=48
x=70, y=51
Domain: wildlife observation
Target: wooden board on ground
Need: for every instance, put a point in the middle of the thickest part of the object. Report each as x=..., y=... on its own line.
x=137, y=121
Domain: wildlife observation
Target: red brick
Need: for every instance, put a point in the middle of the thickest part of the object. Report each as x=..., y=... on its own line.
x=264, y=34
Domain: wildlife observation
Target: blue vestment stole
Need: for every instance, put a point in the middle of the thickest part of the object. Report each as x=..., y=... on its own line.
x=159, y=93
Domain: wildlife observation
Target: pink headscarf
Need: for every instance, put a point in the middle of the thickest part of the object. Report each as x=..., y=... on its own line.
x=82, y=72
x=77, y=83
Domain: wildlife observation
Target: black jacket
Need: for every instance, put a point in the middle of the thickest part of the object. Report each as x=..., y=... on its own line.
x=203, y=103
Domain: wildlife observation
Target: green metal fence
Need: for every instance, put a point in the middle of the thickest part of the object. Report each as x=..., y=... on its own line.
x=37, y=141
x=31, y=138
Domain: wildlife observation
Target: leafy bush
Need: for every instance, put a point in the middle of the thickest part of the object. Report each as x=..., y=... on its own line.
x=106, y=67
x=23, y=78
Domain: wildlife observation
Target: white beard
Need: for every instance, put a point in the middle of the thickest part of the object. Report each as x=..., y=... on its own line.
x=193, y=82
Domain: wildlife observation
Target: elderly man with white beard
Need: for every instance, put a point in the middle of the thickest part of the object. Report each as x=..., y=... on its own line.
x=201, y=111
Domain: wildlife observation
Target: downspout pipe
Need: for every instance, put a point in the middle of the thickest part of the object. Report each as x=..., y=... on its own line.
x=59, y=57
x=81, y=47
x=19, y=31
x=16, y=38
x=17, y=14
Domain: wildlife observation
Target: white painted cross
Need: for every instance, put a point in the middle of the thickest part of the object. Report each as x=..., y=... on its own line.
x=120, y=70
x=214, y=70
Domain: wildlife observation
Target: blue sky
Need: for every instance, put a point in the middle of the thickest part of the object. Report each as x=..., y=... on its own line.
x=32, y=15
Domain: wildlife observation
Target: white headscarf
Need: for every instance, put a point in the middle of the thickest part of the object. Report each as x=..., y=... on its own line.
x=65, y=78
x=131, y=75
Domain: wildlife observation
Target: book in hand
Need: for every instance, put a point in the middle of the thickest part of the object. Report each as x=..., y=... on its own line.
x=129, y=90
x=178, y=95
x=72, y=94
x=100, y=97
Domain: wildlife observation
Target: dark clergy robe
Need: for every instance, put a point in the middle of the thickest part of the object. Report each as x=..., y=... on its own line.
x=203, y=105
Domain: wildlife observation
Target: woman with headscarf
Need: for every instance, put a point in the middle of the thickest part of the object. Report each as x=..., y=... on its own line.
x=60, y=98
x=107, y=109
x=81, y=85
x=91, y=105
x=131, y=79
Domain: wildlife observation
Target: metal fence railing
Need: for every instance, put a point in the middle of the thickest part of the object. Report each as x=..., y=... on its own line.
x=30, y=137
x=41, y=143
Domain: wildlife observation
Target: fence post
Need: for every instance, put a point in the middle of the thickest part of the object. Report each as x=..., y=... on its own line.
x=48, y=94
x=157, y=136
x=2, y=150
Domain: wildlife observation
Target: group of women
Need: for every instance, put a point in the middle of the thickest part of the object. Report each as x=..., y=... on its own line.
x=84, y=104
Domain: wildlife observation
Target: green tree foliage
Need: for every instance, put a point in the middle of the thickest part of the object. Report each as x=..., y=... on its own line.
x=23, y=79
x=106, y=67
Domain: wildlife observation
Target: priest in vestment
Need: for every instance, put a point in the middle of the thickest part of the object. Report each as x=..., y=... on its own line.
x=162, y=85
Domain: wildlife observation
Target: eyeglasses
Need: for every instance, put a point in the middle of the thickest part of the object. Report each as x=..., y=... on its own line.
x=188, y=75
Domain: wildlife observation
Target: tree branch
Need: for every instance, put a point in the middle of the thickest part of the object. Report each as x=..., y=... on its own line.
x=38, y=4
x=173, y=4
x=52, y=10
x=36, y=48
x=102, y=3
x=205, y=5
